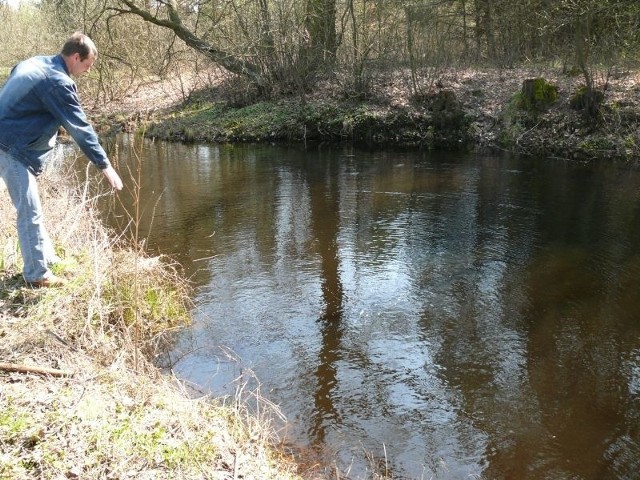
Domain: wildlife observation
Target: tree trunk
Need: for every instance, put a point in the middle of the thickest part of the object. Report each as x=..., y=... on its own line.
x=465, y=39
x=321, y=28
x=485, y=27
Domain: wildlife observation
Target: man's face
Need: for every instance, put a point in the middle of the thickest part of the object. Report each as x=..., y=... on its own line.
x=78, y=67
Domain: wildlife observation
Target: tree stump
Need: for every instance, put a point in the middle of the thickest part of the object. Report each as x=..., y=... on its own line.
x=537, y=95
x=588, y=100
x=447, y=110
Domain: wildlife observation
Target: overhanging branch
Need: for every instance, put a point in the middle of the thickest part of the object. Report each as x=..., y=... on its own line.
x=174, y=22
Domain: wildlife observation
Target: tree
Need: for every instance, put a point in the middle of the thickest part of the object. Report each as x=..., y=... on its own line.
x=320, y=24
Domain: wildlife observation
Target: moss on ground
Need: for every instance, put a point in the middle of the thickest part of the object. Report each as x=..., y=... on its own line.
x=295, y=122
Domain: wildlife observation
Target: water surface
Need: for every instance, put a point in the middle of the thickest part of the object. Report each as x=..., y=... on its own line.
x=455, y=316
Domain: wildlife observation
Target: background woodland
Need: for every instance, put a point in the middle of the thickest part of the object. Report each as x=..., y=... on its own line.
x=275, y=47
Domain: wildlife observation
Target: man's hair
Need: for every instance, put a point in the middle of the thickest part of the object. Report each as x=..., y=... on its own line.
x=79, y=43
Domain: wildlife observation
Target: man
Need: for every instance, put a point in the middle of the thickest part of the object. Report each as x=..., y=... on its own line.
x=38, y=97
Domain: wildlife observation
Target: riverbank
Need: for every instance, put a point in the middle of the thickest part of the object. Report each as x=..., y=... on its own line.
x=474, y=110
x=79, y=395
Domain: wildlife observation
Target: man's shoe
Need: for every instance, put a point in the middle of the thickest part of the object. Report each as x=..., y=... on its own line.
x=49, y=282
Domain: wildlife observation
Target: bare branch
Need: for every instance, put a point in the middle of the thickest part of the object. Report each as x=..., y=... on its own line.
x=226, y=60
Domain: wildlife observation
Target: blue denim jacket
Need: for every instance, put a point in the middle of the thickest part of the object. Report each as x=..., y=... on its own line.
x=38, y=97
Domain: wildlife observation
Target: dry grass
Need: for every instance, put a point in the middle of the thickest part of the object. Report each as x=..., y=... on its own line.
x=117, y=416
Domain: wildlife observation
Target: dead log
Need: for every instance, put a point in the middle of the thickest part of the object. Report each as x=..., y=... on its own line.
x=14, y=367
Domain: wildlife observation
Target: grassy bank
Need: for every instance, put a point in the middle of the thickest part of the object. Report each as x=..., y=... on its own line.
x=103, y=410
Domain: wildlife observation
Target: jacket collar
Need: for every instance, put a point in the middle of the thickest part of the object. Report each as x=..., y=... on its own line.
x=58, y=59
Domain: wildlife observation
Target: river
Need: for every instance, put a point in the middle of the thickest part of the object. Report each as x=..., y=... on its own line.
x=435, y=315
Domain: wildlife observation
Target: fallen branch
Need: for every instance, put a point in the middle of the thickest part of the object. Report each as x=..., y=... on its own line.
x=14, y=367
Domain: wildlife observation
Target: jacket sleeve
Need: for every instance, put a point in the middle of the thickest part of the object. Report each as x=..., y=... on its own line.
x=61, y=99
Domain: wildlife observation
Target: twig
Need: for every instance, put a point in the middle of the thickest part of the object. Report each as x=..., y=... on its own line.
x=14, y=367
x=61, y=340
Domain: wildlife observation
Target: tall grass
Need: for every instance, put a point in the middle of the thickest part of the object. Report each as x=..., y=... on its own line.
x=118, y=302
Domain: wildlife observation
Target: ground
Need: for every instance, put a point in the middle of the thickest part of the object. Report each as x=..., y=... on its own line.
x=478, y=113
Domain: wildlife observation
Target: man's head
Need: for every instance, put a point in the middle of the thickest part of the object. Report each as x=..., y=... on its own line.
x=79, y=53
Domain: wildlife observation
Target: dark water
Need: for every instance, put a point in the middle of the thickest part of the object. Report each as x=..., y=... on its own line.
x=455, y=316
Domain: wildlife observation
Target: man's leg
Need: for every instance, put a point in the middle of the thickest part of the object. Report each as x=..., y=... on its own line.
x=50, y=255
x=34, y=241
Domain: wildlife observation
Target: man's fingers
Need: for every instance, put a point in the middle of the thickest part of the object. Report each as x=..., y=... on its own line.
x=113, y=177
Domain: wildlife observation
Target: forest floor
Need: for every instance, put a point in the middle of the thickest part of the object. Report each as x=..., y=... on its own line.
x=479, y=113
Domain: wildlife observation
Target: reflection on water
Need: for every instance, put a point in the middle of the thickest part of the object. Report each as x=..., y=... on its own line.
x=457, y=316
